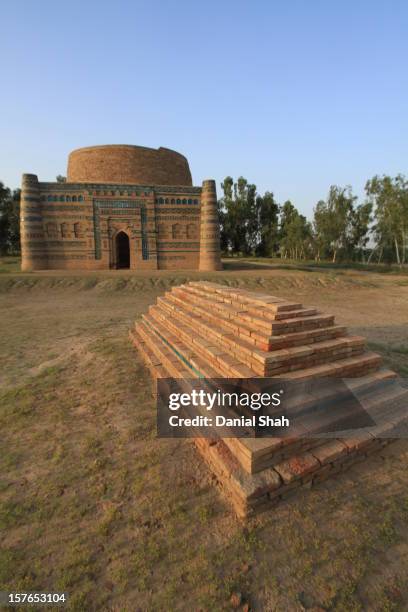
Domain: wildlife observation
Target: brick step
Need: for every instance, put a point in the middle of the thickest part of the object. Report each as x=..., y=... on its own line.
x=259, y=338
x=396, y=424
x=284, y=361
x=261, y=362
x=258, y=447
x=263, y=327
x=222, y=326
x=374, y=402
x=211, y=331
x=375, y=392
x=143, y=338
x=206, y=334
x=377, y=402
x=306, y=337
x=279, y=449
x=152, y=362
x=241, y=449
x=196, y=364
x=341, y=366
x=192, y=359
x=251, y=494
x=254, y=455
x=211, y=357
x=242, y=297
x=168, y=359
x=158, y=317
x=215, y=358
x=233, y=319
x=238, y=346
x=352, y=367
x=257, y=310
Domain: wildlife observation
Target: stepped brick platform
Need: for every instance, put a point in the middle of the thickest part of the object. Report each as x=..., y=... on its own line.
x=206, y=330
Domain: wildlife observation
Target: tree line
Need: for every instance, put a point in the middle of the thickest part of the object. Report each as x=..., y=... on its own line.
x=342, y=229
x=9, y=220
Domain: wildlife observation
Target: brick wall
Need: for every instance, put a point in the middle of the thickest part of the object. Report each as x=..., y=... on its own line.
x=128, y=164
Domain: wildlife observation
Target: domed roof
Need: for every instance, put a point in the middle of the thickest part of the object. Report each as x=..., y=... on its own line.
x=128, y=164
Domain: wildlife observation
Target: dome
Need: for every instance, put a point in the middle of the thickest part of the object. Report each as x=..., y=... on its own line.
x=128, y=164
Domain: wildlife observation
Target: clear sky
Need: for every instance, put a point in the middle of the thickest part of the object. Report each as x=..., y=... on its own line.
x=294, y=95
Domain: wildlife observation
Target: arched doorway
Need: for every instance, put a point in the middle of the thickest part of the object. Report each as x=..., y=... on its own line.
x=122, y=251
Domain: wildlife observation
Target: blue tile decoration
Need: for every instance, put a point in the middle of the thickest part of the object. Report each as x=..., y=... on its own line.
x=119, y=205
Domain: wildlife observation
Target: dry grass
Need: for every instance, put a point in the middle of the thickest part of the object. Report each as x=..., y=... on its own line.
x=92, y=503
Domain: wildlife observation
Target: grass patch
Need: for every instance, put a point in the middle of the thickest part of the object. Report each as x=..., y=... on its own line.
x=93, y=503
x=311, y=265
x=10, y=265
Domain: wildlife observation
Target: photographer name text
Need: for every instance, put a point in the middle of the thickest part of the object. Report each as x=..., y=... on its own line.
x=222, y=421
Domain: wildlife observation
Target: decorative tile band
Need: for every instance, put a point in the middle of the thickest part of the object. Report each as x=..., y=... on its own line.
x=121, y=205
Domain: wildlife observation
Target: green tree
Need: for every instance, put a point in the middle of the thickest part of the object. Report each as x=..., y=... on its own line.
x=389, y=196
x=268, y=225
x=287, y=214
x=238, y=216
x=227, y=214
x=9, y=220
x=361, y=218
x=333, y=221
x=295, y=233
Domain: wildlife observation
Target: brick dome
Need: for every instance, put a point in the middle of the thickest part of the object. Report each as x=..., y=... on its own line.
x=128, y=164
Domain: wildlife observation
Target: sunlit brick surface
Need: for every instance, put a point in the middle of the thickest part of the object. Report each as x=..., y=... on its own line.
x=206, y=329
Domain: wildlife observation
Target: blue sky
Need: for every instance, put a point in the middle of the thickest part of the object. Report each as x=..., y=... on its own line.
x=294, y=95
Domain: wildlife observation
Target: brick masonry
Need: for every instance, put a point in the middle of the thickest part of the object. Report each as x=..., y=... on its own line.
x=202, y=329
x=122, y=206
x=128, y=164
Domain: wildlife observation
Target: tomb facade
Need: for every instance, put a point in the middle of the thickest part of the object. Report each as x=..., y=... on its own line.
x=121, y=206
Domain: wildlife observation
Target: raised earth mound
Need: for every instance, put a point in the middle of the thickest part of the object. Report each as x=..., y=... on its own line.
x=206, y=330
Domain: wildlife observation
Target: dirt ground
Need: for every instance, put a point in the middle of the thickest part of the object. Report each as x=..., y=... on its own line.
x=92, y=503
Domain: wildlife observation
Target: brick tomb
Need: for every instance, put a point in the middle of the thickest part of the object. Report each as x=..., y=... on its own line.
x=203, y=329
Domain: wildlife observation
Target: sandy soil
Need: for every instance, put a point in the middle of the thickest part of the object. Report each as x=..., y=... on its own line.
x=93, y=504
